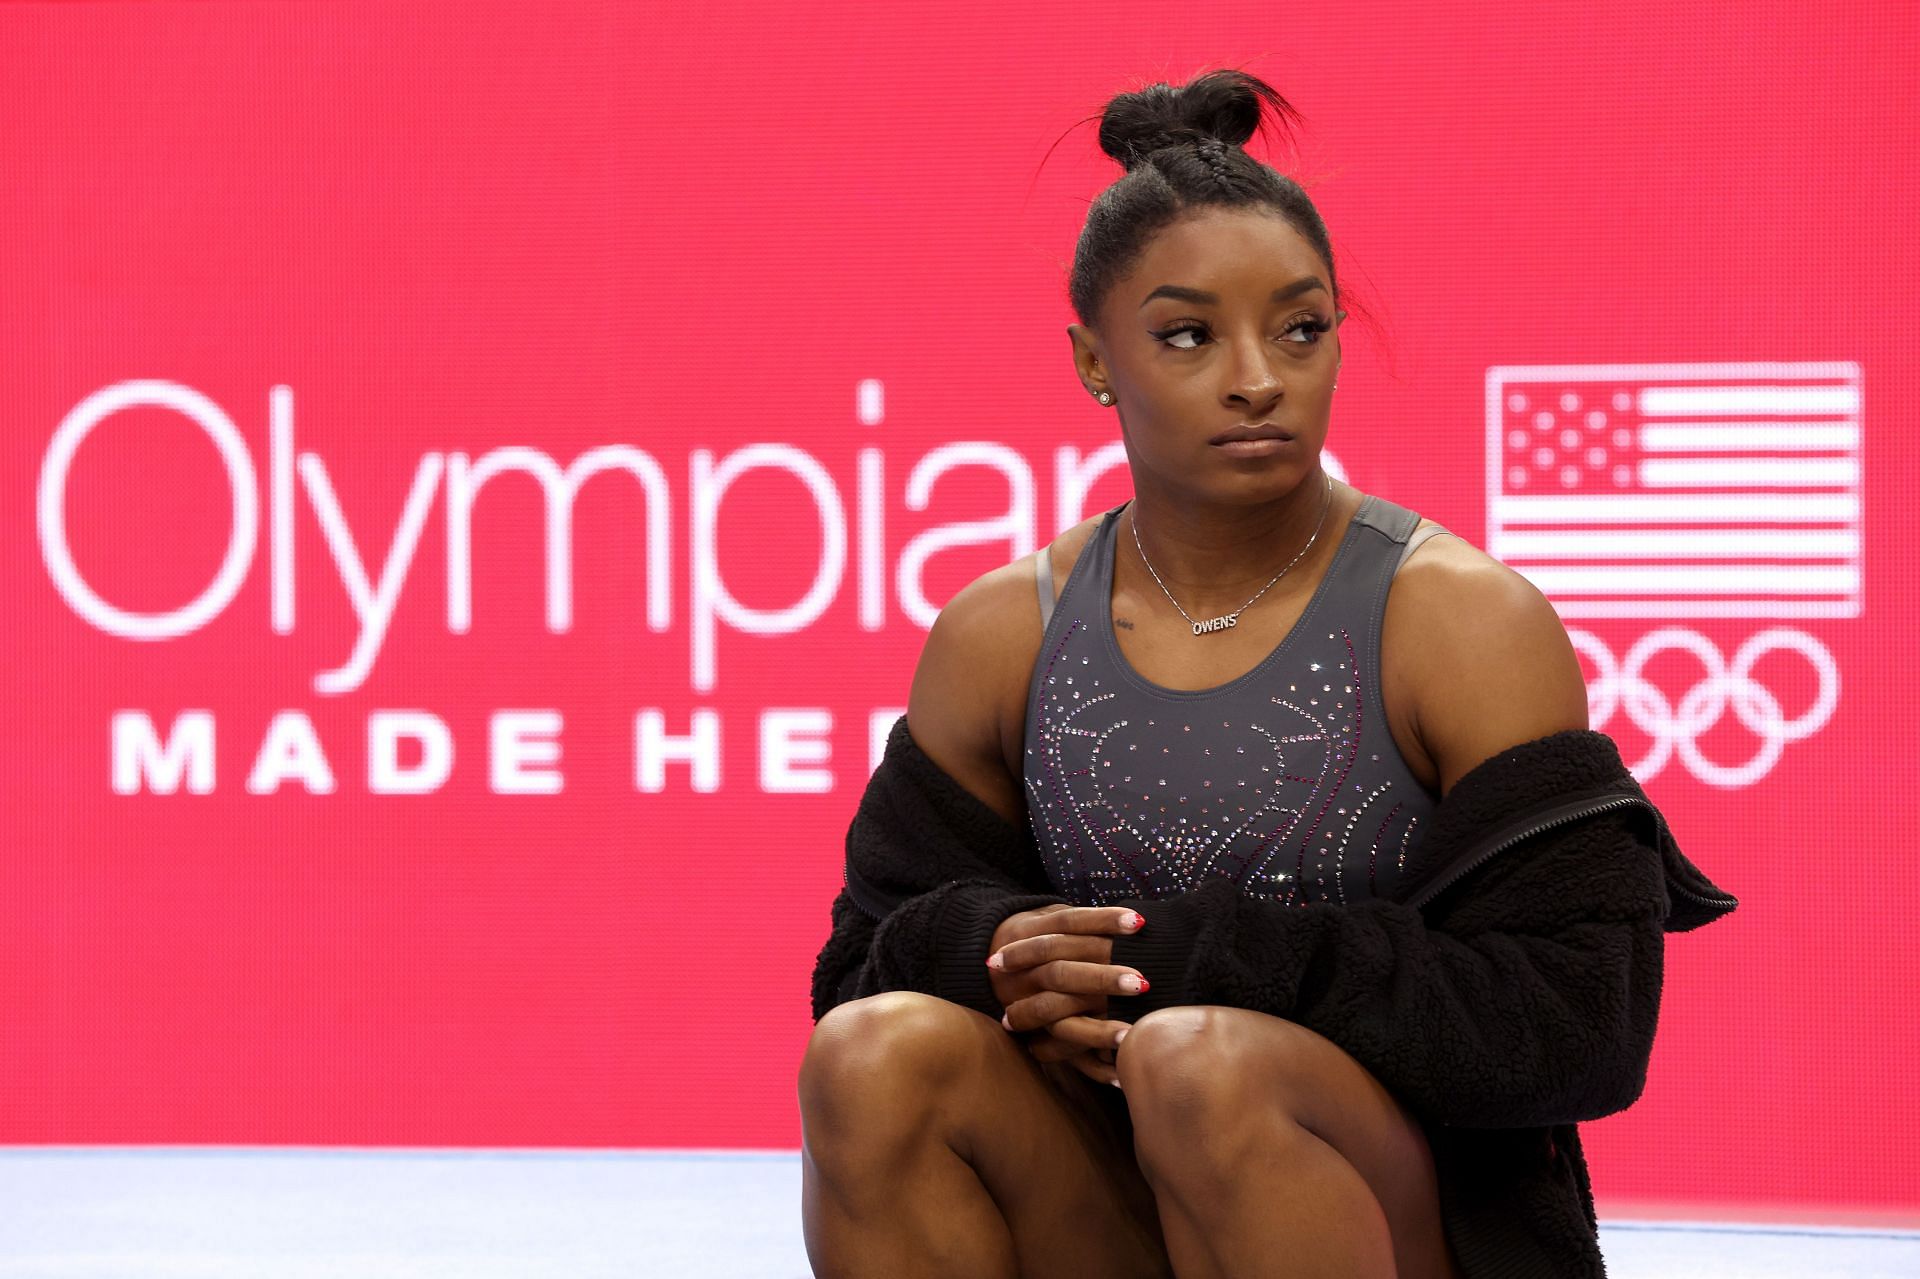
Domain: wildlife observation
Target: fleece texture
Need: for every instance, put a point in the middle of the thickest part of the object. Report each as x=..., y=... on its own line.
x=1507, y=992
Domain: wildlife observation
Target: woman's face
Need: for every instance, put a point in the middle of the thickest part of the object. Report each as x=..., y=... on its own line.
x=1227, y=320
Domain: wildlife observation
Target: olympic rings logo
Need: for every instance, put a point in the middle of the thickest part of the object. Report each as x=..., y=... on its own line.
x=1620, y=685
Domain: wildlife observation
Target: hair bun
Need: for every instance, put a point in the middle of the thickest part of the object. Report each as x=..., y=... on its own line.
x=1217, y=104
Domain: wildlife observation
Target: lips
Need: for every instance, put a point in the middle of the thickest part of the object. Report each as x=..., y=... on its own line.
x=1251, y=431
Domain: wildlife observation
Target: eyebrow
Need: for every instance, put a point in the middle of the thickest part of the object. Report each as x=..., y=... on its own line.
x=1182, y=293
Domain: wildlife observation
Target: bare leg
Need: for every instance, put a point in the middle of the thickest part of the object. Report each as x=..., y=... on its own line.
x=883, y=1192
x=920, y=1209
x=933, y=1144
x=1264, y=1141
x=1272, y=1191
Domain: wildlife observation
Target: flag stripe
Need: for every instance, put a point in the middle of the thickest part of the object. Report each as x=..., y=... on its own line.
x=1749, y=472
x=1712, y=508
x=1727, y=543
x=1680, y=579
x=1532, y=375
x=1740, y=437
x=1692, y=606
x=1749, y=399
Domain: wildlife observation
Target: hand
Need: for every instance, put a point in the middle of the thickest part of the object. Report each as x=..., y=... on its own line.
x=1087, y=1044
x=1052, y=971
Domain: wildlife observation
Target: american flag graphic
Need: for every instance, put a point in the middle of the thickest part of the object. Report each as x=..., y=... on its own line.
x=1678, y=490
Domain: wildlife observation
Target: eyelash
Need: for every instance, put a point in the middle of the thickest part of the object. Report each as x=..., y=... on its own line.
x=1314, y=326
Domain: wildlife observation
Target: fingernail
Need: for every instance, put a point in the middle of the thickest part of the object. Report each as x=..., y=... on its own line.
x=1132, y=983
x=1116, y=1084
x=1005, y=1022
x=995, y=961
x=1121, y=1036
x=1136, y=920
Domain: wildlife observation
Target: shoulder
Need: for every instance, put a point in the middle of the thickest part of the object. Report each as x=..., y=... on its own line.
x=1483, y=655
x=996, y=617
x=967, y=707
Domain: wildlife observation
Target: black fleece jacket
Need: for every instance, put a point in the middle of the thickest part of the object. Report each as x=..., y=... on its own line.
x=1508, y=990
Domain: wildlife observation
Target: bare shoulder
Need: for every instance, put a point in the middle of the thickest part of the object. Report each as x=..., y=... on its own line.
x=967, y=709
x=967, y=706
x=1481, y=654
x=1064, y=550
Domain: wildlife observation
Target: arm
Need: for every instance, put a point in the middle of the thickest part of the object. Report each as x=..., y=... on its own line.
x=1530, y=999
x=941, y=827
x=954, y=869
x=1528, y=992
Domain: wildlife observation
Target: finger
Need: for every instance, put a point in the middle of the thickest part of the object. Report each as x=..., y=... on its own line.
x=1076, y=1034
x=1095, y=1069
x=1084, y=919
x=1081, y=978
x=1071, y=976
x=1044, y=1009
x=1046, y=1047
x=1093, y=1034
x=1031, y=952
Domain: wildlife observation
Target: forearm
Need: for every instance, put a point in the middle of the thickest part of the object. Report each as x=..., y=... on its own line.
x=1530, y=1000
x=935, y=942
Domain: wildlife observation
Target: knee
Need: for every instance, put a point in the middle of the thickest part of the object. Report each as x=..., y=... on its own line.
x=1199, y=1080
x=889, y=1051
x=1180, y=1064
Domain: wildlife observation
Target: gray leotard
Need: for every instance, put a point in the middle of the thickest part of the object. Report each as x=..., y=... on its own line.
x=1285, y=780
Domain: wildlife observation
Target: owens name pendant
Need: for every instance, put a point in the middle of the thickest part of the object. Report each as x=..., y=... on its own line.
x=1227, y=621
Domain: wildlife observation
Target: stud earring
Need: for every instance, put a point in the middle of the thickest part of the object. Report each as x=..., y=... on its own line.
x=1105, y=398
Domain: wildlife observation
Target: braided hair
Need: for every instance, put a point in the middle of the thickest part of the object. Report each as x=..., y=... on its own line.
x=1183, y=148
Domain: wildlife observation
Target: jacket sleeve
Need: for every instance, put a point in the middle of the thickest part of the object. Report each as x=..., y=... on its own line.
x=934, y=942
x=1525, y=994
x=951, y=870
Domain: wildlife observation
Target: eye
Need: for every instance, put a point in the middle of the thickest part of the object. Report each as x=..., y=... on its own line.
x=1309, y=325
x=1313, y=326
x=1166, y=335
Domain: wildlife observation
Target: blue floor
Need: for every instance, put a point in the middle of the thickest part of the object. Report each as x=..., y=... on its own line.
x=226, y=1212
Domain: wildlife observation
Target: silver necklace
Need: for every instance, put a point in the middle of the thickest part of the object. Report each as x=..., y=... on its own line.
x=1227, y=621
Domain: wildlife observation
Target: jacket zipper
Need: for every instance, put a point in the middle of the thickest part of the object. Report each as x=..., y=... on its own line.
x=858, y=895
x=1560, y=819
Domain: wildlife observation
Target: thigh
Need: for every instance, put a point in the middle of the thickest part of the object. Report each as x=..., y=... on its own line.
x=1053, y=1151
x=1330, y=1094
x=1118, y=1206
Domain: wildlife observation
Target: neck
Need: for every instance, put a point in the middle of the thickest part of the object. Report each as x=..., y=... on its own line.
x=1213, y=557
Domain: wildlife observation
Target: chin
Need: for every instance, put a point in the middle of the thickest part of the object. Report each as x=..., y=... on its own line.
x=1254, y=484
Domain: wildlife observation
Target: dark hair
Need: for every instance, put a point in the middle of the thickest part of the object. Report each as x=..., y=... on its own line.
x=1183, y=148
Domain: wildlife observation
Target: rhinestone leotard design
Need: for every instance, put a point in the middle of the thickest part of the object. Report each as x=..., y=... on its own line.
x=1285, y=780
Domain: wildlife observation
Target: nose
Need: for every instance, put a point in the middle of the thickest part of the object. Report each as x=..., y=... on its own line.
x=1251, y=383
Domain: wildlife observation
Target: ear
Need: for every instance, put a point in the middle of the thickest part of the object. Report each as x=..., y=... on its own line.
x=1086, y=359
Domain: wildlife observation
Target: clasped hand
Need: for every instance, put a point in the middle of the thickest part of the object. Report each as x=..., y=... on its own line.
x=1053, y=974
